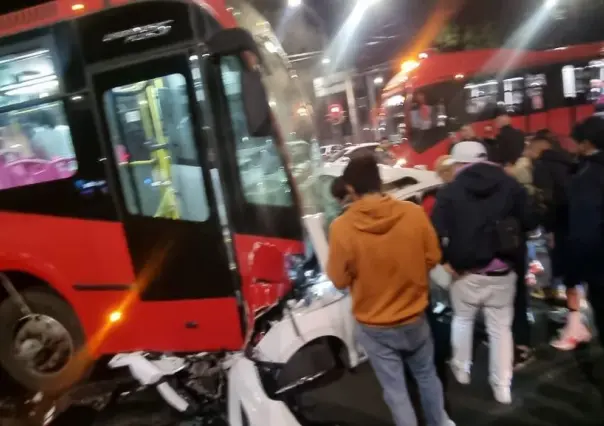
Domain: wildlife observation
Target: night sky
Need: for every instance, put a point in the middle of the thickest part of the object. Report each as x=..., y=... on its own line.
x=392, y=26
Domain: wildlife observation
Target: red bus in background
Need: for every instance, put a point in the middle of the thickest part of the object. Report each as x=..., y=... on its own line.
x=432, y=98
x=132, y=192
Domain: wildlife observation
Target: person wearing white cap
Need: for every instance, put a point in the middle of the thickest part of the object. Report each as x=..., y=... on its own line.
x=444, y=168
x=469, y=152
x=479, y=217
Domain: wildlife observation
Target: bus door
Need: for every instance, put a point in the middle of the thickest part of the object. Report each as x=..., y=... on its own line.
x=186, y=287
x=265, y=207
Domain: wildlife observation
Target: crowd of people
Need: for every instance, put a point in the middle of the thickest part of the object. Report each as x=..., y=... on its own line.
x=496, y=193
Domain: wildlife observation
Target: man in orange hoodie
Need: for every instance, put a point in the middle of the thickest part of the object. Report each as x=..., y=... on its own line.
x=382, y=250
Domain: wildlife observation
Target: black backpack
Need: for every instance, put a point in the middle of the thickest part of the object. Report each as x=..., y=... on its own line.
x=497, y=236
x=507, y=238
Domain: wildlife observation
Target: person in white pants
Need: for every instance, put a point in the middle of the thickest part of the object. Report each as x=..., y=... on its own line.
x=480, y=217
x=493, y=293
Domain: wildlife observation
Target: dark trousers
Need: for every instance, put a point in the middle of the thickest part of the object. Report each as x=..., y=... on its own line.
x=595, y=295
x=521, y=327
x=591, y=366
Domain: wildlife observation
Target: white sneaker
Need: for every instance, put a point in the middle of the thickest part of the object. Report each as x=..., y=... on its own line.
x=573, y=334
x=461, y=375
x=502, y=394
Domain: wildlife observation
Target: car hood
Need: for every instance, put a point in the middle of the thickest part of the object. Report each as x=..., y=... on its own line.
x=388, y=174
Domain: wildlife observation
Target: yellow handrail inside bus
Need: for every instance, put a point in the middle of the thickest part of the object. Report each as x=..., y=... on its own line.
x=160, y=160
x=168, y=206
x=145, y=100
x=137, y=163
x=143, y=104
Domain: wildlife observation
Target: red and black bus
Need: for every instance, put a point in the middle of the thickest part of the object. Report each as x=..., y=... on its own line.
x=132, y=190
x=436, y=95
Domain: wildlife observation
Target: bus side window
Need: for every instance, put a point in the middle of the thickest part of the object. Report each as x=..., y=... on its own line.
x=536, y=85
x=443, y=106
x=481, y=99
x=35, y=146
x=261, y=169
x=152, y=137
x=455, y=107
x=35, y=141
x=584, y=83
x=513, y=95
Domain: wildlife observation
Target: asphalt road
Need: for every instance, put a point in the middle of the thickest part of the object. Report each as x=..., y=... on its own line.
x=553, y=390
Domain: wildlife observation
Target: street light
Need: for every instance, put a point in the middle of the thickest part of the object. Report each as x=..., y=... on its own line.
x=294, y=3
x=326, y=61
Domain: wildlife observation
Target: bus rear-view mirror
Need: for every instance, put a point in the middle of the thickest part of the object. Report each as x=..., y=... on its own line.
x=239, y=42
x=255, y=103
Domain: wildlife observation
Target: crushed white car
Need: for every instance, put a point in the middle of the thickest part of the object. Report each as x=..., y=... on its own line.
x=328, y=151
x=403, y=183
x=343, y=156
x=293, y=343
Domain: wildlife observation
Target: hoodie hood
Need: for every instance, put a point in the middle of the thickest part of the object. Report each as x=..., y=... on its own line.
x=376, y=213
x=482, y=179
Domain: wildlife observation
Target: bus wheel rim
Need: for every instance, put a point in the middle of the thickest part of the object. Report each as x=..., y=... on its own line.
x=43, y=344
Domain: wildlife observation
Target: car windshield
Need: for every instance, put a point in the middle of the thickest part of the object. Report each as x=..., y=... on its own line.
x=399, y=184
x=338, y=155
x=353, y=151
x=334, y=149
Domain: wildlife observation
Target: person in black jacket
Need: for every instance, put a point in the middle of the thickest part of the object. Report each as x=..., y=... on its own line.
x=506, y=149
x=586, y=216
x=553, y=169
x=509, y=143
x=467, y=217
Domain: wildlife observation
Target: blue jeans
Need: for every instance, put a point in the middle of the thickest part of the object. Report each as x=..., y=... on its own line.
x=532, y=250
x=389, y=349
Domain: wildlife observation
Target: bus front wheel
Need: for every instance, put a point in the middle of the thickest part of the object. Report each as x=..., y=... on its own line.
x=42, y=351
